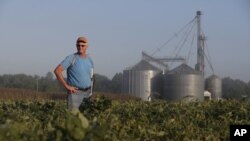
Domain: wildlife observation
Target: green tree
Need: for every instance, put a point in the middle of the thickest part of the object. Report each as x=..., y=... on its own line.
x=234, y=89
x=116, y=83
x=102, y=83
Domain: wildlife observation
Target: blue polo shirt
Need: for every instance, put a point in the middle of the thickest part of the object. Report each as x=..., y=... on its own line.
x=78, y=70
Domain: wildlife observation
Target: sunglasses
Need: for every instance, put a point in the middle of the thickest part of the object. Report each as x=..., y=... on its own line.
x=81, y=45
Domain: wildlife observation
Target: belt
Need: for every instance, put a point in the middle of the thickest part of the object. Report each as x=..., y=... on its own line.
x=84, y=89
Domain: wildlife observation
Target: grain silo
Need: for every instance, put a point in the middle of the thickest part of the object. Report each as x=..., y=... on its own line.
x=214, y=86
x=183, y=83
x=137, y=81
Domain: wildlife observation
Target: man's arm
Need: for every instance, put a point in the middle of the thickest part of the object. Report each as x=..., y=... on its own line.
x=58, y=72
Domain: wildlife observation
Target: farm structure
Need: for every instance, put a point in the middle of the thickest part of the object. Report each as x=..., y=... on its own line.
x=152, y=78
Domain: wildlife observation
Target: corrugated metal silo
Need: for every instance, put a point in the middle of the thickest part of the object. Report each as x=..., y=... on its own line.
x=214, y=85
x=183, y=83
x=137, y=81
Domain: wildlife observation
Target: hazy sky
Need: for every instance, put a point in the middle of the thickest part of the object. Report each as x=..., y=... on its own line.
x=36, y=35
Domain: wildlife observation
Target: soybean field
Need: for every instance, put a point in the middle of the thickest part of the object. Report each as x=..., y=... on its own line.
x=112, y=120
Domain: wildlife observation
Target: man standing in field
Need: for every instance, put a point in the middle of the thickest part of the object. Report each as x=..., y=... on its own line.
x=79, y=67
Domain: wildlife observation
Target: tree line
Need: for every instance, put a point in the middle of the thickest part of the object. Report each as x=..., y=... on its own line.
x=231, y=88
x=49, y=83
x=236, y=89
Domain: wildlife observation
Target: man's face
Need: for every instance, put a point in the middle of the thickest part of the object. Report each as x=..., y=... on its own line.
x=81, y=47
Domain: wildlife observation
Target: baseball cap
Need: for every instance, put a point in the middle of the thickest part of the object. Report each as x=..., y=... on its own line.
x=82, y=39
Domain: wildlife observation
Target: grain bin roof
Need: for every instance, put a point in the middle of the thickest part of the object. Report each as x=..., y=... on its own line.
x=213, y=76
x=183, y=69
x=144, y=65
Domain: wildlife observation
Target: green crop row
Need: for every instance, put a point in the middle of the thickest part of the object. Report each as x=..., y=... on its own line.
x=133, y=120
